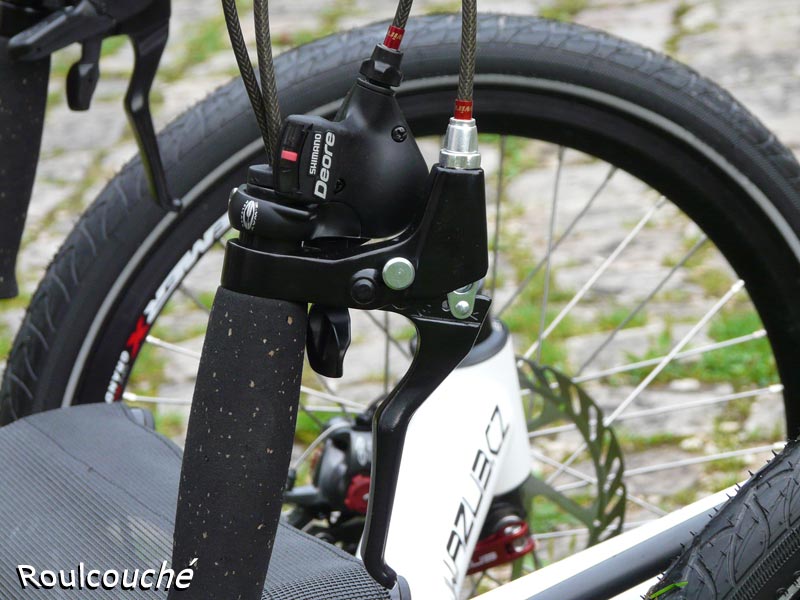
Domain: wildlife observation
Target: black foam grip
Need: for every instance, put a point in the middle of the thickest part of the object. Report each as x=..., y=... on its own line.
x=238, y=445
x=23, y=96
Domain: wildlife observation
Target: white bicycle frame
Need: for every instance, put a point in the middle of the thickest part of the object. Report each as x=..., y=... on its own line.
x=476, y=420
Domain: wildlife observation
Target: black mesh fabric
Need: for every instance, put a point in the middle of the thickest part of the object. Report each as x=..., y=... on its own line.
x=89, y=484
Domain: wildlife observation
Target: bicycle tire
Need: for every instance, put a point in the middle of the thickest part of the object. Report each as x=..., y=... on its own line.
x=750, y=550
x=87, y=306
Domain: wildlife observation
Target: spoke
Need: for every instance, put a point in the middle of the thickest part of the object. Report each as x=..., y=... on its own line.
x=193, y=297
x=549, y=255
x=386, y=350
x=649, y=412
x=330, y=397
x=131, y=397
x=222, y=242
x=642, y=304
x=678, y=464
x=311, y=415
x=172, y=347
x=341, y=402
x=498, y=202
x=607, y=421
x=394, y=341
x=573, y=532
x=589, y=480
x=323, y=382
x=756, y=335
x=326, y=395
x=493, y=579
x=320, y=408
x=698, y=460
x=593, y=279
x=529, y=277
x=317, y=441
x=478, y=581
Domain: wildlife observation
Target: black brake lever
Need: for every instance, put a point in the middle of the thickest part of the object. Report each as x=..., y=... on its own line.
x=443, y=341
x=58, y=30
x=146, y=23
x=149, y=42
x=83, y=75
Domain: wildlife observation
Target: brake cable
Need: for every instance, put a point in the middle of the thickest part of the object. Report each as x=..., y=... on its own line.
x=265, y=104
x=469, y=47
x=264, y=98
x=266, y=68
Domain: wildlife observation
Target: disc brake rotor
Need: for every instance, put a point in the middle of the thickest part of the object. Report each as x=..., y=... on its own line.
x=554, y=399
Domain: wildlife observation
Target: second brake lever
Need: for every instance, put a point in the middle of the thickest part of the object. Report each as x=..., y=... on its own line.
x=146, y=23
x=149, y=38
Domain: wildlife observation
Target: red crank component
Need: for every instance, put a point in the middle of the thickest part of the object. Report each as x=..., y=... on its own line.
x=357, y=493
x=511, y=542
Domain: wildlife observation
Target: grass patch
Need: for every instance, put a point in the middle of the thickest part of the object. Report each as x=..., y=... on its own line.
x=112, y=45
x=743, y=365
x=330, y=17
x=6, y=340
x=148, y=372
x=563, y=10
x=308, y=429
x=616, y=316
x=443, y=8
x=713, y=280
x=207, y=38
x=21, y=301
x=404, y=334
x=73, y=204
x=633, y=442
x=520, y=153
x=680, y=30
x=546, y=516
x=169, y=424
x=680, y=499
x=207, y=298
x=176, y=335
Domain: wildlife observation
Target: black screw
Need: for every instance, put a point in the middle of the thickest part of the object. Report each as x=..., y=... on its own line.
x=363, y=290
x=399, y=134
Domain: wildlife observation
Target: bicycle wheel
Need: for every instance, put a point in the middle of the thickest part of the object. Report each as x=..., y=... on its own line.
x=751, y=549
x=629, y=198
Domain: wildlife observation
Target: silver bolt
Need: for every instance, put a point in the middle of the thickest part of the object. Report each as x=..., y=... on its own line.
x=398, y=273
x=519, y=544
x=462, y=308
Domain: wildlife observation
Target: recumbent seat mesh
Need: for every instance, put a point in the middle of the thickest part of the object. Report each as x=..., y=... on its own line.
x=90, y=484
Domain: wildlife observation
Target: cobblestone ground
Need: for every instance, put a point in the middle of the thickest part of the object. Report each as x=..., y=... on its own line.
x=748, y=46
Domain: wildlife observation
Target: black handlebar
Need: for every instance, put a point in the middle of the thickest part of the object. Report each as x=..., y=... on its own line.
x=23, y=96
x=238, y=446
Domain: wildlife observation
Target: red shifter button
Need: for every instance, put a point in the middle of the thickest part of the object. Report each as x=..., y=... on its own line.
x=289, y=155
